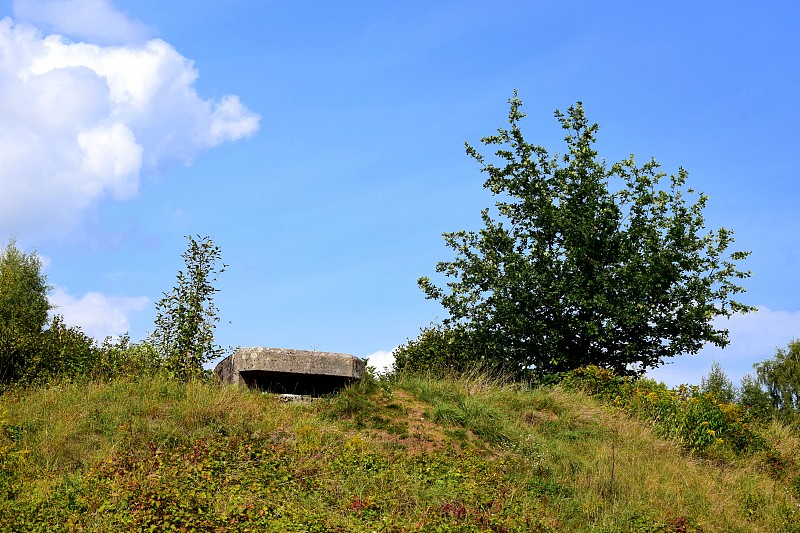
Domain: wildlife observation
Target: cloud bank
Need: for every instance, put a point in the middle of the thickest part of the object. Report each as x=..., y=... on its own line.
x=96, y=314
x=81, y=121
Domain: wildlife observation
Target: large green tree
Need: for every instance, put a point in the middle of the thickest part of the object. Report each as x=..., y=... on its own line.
x=23, y=310
x=582, y=263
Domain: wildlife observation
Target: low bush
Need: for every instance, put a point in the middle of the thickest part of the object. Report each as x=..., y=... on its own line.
x=437, y=349
x=448, y=351
x=121, y=357
x=698, y=420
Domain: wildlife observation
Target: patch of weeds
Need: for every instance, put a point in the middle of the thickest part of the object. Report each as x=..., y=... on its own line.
x=459, y=434
x=364, y=507
x=351, y=403
x=775, y=464
x=540, y=487
x=378, y=422
x=447, y=414
x=752, y=504
x=12, y=458
x=361, y=402
x=790, y=515
x=539, y=416
x=399, y=428
x=452, y=408
x=396, y=407
x=575, y=429
x=102, y=422
x=643, y=524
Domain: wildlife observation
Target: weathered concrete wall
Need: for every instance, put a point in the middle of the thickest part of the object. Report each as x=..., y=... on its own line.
x=288, y=371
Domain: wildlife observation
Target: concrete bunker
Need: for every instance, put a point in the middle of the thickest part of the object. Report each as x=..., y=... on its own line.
x=288, y=371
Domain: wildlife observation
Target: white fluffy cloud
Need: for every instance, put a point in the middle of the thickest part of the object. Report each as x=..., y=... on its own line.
x=381, y=360
x=96, y=314
x=80, y=121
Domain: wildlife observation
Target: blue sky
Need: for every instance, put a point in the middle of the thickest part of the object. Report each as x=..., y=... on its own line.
x=320, y=145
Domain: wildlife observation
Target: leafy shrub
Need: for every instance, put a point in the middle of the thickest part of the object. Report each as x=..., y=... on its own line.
x=64, y=351
x=699, y=421
x=34, y=352
x=58, y=351
x=121, y=357
x=596, y=381
x=437, y=349
x=449, y=350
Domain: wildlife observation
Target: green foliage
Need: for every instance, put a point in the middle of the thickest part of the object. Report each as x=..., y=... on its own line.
x=187, y=316
x=23, y=290
x=678, y=524
x=121, y=357
x=574, y=274
x=466, y=454
x=62, y=351
x=23, y=310
x=600, y=382
x=438, y=349
x=697, y=419
x=12, y=459
x=718, y=384
x=755, y=399
x=31, y=350
x=454, y=406
x=194, y=457
x=780, y=375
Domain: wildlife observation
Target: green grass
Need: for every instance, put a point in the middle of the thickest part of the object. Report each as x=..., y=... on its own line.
x=414, y=454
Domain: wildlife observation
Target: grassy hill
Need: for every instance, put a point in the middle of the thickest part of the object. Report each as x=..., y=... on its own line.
x=415, y=454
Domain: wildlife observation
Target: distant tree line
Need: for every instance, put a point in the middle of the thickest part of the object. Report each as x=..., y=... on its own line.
x=36, y=347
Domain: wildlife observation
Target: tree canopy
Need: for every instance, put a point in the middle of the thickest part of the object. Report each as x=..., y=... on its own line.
x=23, y=309
x=584, y=263
x=23, y=290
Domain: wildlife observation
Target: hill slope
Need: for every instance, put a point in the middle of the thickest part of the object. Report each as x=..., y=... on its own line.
x=412, y=455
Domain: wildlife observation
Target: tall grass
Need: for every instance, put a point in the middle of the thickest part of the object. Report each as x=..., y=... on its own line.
x=412, y=454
